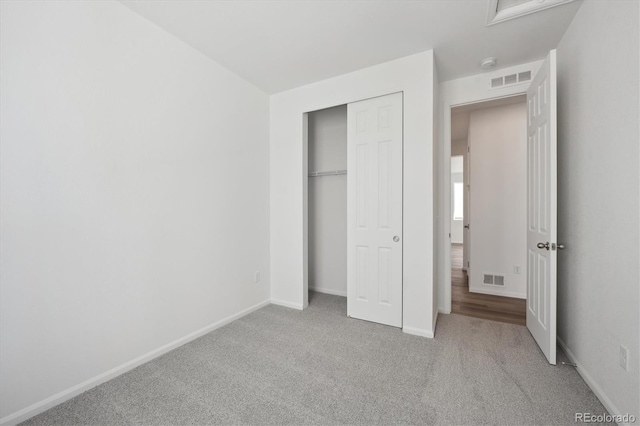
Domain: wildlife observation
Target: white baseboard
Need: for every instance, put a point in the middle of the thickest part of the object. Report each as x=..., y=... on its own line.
x=418, y=332
x=329, y=291
x=444, y=311
x=286, y=304
x=611, y=408
x=67, y=394
x=498, y=292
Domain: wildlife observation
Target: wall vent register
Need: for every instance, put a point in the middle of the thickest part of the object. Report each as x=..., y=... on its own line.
x=510, y=79
x=490, y=279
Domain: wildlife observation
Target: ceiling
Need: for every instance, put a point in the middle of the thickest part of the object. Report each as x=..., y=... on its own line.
x=279, y=45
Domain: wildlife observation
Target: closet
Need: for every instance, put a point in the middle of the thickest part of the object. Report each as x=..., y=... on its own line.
x=327, y=191
x=355, y=220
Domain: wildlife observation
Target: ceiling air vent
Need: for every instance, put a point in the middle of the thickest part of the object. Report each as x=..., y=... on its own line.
x=510, y=79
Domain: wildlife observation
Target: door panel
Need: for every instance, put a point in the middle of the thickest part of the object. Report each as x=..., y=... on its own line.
x=542, y=207
x=374, y=210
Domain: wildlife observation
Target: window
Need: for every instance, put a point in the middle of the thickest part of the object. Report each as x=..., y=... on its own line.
x=458, y=200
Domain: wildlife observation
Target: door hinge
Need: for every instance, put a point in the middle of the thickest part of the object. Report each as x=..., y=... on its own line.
x=449, y=234
x=468, y=264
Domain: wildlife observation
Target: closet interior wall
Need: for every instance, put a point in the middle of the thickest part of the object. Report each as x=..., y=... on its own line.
x=327, y=152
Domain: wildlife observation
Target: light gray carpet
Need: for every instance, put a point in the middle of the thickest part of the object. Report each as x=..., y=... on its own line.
x=282, y=366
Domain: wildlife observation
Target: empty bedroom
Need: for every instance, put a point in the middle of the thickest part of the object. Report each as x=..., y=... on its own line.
x=242, y=212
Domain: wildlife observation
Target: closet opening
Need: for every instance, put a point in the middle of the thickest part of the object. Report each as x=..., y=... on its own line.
x=326, y=132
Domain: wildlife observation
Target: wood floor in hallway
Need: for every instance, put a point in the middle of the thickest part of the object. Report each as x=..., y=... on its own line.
x=486, y=306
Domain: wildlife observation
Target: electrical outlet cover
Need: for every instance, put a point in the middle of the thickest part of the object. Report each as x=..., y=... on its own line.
x=624, y=357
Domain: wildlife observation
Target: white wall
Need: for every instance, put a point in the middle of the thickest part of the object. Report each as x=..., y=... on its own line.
x=459, y=146
x=498, y=169
x=456, y=225
x=456, y=177
x=135, y=196
x=412, y=75
x=453, y=93
x=598, y=211
x=327, y=140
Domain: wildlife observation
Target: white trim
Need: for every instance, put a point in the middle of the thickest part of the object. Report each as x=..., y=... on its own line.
x=418, y=332
x=604, y=399
x=305, y=212
x=442, y=311
x=497, y=292
x=286, y=304
x=328, y=291
x=67, y=394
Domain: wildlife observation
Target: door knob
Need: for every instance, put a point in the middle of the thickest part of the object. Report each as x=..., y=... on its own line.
x=466, y=226
x=543, y=246
x=560, y=246
x=396, y=238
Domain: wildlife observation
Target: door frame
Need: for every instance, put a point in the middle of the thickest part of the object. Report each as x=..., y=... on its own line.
x=478, y=90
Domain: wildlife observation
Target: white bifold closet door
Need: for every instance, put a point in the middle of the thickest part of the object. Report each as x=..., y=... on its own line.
x=374, y=210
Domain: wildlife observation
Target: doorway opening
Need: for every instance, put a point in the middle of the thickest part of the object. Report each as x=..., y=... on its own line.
x=489, y=210
x=539, y=265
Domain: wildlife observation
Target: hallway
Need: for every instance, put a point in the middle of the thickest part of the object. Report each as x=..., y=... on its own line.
x=497, y=308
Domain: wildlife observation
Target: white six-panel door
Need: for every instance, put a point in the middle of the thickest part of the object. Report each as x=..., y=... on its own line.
x=374, y=210
x=542, y=207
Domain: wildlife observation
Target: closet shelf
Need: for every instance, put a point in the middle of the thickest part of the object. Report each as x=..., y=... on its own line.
x=329, y=173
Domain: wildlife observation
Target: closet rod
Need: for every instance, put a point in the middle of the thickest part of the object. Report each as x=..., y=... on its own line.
x=330, y=173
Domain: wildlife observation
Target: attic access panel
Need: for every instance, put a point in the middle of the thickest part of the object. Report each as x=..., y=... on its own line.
x=503, y=10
